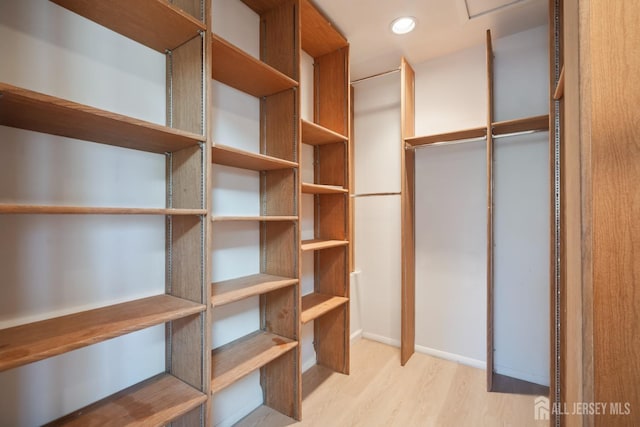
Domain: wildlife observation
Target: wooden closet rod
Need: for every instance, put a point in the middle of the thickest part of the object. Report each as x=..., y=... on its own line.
x=384, y=73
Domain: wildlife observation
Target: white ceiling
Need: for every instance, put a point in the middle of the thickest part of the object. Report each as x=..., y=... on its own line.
x=444, y=26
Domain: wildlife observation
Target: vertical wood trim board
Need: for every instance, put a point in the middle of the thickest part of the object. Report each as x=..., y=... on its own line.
x=490, y=368
x=407, y=119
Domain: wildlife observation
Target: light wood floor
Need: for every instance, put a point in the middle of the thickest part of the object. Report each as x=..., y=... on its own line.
x=379, y=392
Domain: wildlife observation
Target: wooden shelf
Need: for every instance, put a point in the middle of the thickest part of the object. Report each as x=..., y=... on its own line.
x=29, y=343
x=235, y=360
x=242, y=71
x=315, y=305
x=236, y=158
x=154, y=402
x=263, y=218
x=316, y=245
x=314, y=134
x=537, y=123
x=322, y=189
x=559, y=92
x=318, y=34
x=24, y=109
x=459, y=135
x=234, y=290
x=82, y=210
x=154, y=23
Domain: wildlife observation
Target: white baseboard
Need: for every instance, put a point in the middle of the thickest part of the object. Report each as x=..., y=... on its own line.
x=475, y=363
x=356, y=335
x=525, y=376
x=232, y=419
x=381, y=338
x=309, y=363
x=430, y=351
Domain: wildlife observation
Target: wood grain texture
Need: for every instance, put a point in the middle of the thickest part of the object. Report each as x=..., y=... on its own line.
x=314, y=134
x=575, y=283
x=31, y=342
x=186, y=179
x=556, y=340
x=615, y=164
x=331, y=164
x=279, y=125
x=278, y=244
x=233, y=290
x=262, y=6
x=317, y=245
x=559, y=92
x=278, y=314
x=331, y=90
x=279, y=38
x=416, y=141
x=154, y=403
x=94, y=210
x=331, y=216
x=427, y=392
x=319, y=35
x=242, y=71
x=229, y=156
x=490, y=259
x=155, y=23
x=331, y=274
x=238, y=359
x=322, y=189
x=537, y=123
x=186, y=280
x=278, y=192
x=25, y=109
x=185, y=68
x=193, y=8
x=265, y=218
x=315, y=305
x=331, y=339
x=407, y=170
x=281, y=381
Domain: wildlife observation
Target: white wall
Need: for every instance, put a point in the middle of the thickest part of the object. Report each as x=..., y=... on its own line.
x=450, y=229
x=57, y=264
x=377, y=218
x=451, y=209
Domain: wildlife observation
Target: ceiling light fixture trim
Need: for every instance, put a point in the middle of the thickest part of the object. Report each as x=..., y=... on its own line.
x=403, y=25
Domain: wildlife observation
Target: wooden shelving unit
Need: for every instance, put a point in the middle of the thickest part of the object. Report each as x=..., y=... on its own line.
x=180, y=393
x=229, y=156
x=157, y=24
x=273, y=79
x=239, y=358
x=315, y=305
x=314, y=134
x=25, y=109
x=328, y=133
x=159, y=400
x=94, y=210
x=264, y=218
x=322, y=189
x=238, y=289
x=416, y=141
x=242, y=71
x=318, y=245
x=47, y=338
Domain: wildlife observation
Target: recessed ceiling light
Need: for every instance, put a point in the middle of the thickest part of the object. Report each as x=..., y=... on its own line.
x=403, y=25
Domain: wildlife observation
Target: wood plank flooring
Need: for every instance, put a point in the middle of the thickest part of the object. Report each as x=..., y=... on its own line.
x=379, y=392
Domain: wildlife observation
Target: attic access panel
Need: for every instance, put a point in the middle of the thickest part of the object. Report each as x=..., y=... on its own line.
x=476, y=8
